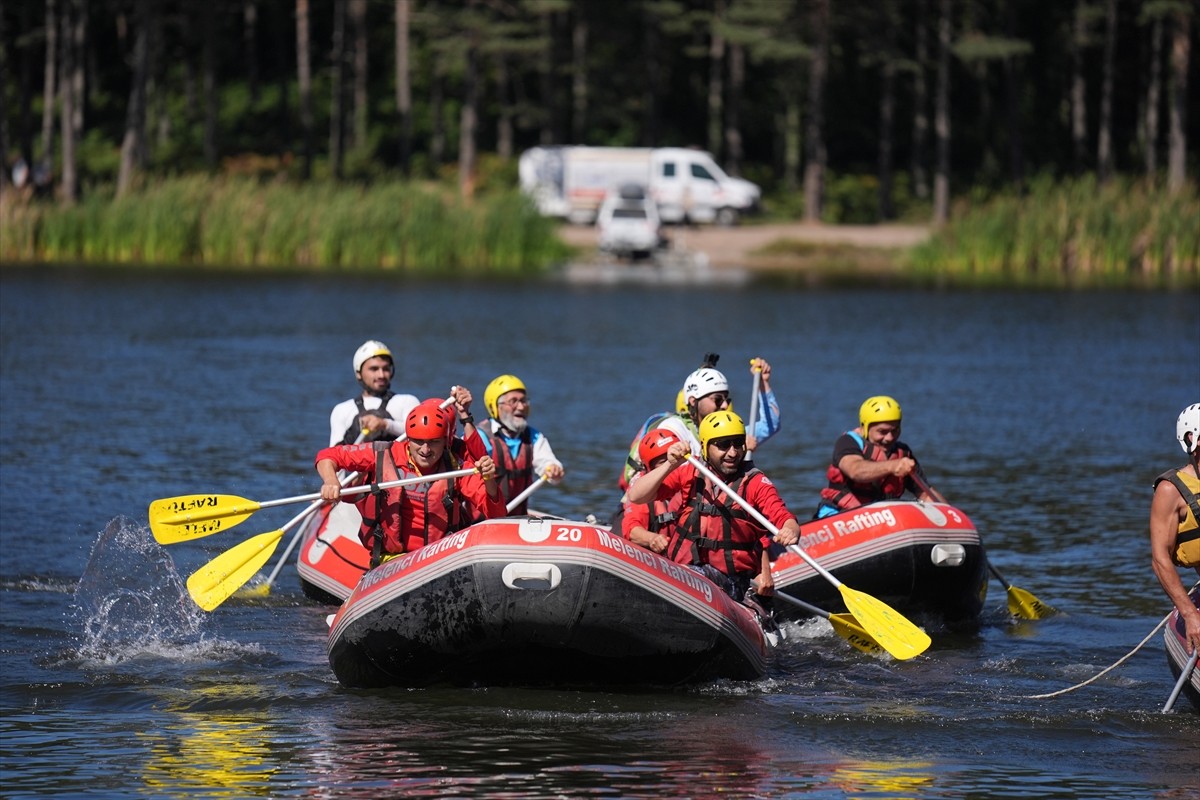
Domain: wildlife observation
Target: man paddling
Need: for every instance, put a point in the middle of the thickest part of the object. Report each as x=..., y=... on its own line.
x=1175, y=523
x=377, y=413
x=522, y=452
x=707, y=390
x=871, y=464
x=404, y=519
x=714, y=534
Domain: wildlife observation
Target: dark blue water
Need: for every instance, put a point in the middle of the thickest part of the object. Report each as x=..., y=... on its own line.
x=1044, y=416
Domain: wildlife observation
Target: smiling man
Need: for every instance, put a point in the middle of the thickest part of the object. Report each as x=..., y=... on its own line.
x=522, y=453
x=870, y=463
x=377, y=413
x=405, y=518
x=713, y=534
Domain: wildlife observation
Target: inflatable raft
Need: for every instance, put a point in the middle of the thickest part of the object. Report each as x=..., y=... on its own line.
x=1177, y=654
x=531, y=601
x=916, y=557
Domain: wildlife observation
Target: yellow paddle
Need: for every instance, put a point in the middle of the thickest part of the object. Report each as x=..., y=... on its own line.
x=263, y=589
x=894, y=632
x=844, y=625
x=180, y=519
x=1021, y=603
x=214, y=582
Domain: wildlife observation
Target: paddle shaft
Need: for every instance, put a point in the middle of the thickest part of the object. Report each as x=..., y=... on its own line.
x=703, y=469
x=523, y=496
x=1184, y=674
x=754, y=389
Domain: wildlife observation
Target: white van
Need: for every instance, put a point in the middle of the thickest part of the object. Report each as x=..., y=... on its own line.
x=685, y=184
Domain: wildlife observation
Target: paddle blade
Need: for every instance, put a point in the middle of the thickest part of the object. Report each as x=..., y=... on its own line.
x=887, y=626
x=848, y=628
x=178, y=519
x=1024, y=605
x=213, y=583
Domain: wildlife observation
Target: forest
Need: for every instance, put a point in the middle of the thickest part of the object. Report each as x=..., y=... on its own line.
x=843, y=110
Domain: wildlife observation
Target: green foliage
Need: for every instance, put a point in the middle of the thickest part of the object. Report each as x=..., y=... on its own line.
x=244, y=223
x=1072, y=234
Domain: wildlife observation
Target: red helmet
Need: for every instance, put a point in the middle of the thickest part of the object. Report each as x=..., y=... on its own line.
x=654, y=444
x=427, y=422
x=447, y=413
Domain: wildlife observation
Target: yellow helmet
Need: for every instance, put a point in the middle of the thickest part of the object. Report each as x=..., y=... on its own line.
x=500, y=386
x=878, y=409
x=681, y=406
x=718, y=425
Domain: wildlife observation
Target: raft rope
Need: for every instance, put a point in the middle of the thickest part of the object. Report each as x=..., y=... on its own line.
x=1115, y=664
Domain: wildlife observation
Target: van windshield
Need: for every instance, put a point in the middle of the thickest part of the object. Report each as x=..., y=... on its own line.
x=629, y=213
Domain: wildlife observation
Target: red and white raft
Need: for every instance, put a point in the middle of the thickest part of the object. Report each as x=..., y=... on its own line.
x=540, y=602
x=331, y=557
x=916, y=557
x=1177, y=654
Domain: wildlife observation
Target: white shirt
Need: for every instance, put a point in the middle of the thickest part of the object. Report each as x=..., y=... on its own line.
x=345, y=412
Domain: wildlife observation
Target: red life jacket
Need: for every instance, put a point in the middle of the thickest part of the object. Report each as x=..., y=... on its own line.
x=845, y=493
x=720, y=534
x=514, y=475
x=409, y=517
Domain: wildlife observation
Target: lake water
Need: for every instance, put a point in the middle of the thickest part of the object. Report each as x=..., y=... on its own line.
x=1044, y=416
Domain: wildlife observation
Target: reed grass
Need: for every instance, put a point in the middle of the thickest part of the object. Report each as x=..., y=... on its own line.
x=1077, y=233
x=244, y=223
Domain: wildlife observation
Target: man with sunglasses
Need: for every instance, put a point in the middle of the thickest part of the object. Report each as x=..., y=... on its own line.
x=714, y=534
x=521, y=452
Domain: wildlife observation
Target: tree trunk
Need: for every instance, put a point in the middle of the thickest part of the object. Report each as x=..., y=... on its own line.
x=546, y=77
x=209, y=82
x=404, y=82
x=734, y=151
x=1104, y=149
x=133, y=146
x=1177, y=152
x=651, y=124
x=941, y=123
x=468, y=123
x=49, y=89
x=716, y=74
x=283, y=116
x=1078, y=91
x=792, y=141
x=579, y=79
x=504, y=117
x=437, y=136
x=814, y=169
x=887, y=103
x=304, y=79
x=250, y=47
x=25, y=68
x=70, y=177
x=1013, y=82
x=358, y=20
x=920, y=129
x=1153, y=98
x=76, y=76
x=336, y=88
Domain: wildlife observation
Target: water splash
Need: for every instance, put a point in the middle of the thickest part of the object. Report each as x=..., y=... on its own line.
x=131, y=600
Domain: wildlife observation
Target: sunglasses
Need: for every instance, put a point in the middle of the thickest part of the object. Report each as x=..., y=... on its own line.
x=515, y=401
x=727, y=442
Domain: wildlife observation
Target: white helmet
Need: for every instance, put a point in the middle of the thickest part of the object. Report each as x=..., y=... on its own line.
x=370, y=349
x=704, y=381
x=1188, y=422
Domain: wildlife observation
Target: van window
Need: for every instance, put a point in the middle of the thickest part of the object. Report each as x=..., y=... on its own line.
x=668, y=170
x=701, y=173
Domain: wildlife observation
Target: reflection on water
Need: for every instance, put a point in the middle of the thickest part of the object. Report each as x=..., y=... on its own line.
x=217, y=756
